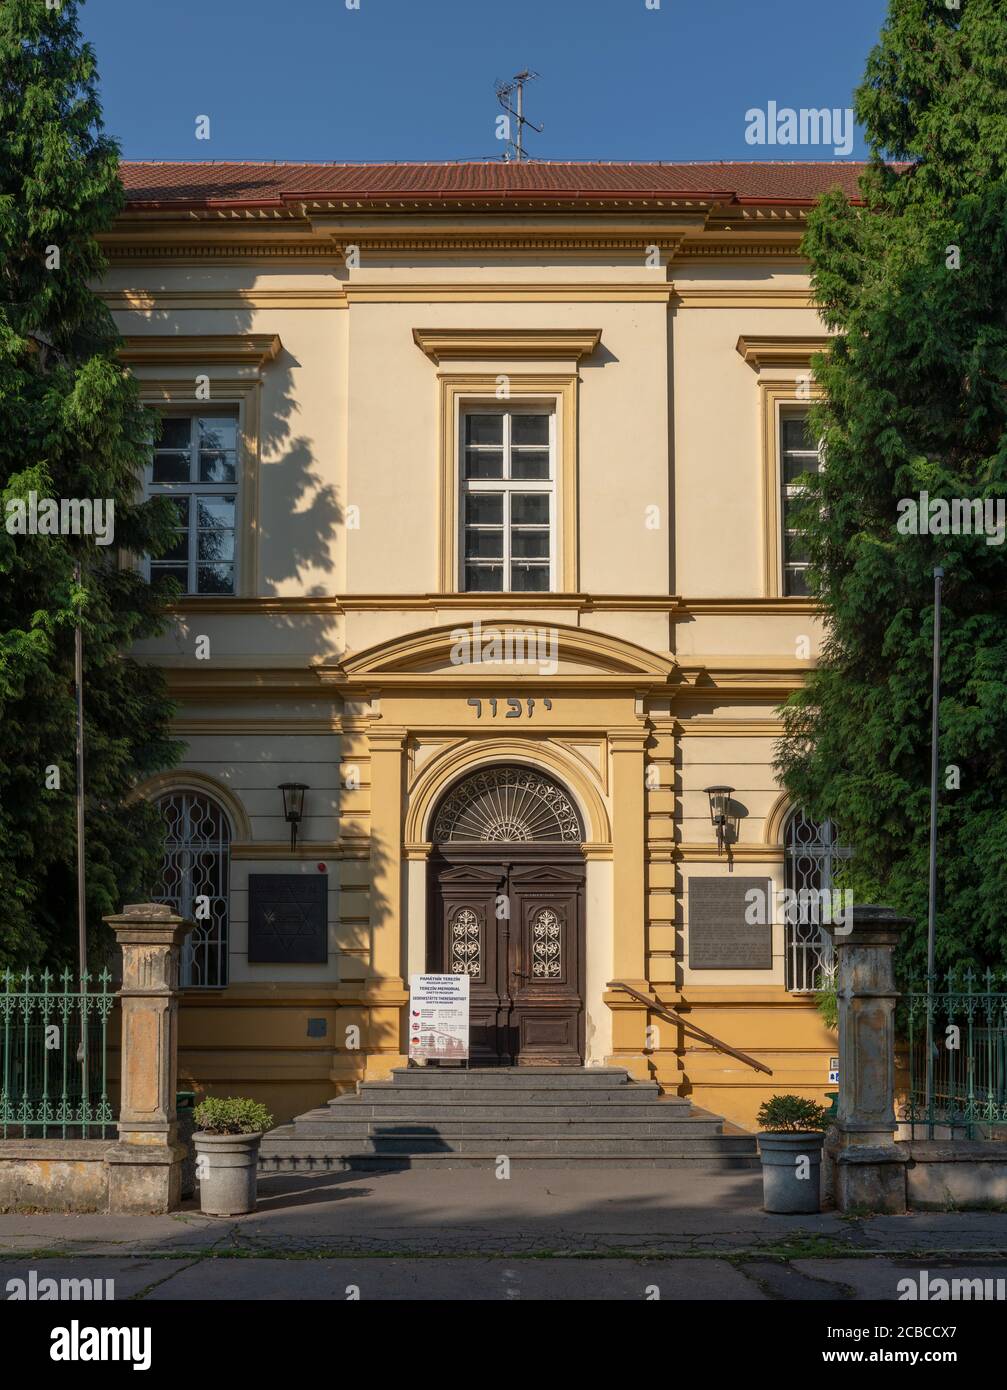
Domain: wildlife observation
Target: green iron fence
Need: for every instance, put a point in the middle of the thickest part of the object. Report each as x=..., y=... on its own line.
x=958, y=1085
x=54, y=1056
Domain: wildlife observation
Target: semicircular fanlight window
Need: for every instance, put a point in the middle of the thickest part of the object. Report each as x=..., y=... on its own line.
x=508, y=805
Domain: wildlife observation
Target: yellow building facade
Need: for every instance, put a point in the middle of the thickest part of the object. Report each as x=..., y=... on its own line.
x=482, y=475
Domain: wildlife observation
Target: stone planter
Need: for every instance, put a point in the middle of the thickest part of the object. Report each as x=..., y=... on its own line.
x=227, y=1165
x=783, y=1189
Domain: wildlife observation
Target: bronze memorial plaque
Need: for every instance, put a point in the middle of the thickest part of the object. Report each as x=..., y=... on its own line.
x=726, y=932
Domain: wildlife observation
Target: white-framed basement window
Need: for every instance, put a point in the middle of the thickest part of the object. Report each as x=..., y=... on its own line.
x=507, y=492
x=196, y=463
x=799, y=454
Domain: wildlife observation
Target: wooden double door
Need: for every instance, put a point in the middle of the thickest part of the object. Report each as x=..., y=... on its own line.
x=514, y=923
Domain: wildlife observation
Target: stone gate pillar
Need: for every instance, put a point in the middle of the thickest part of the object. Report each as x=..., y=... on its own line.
x=145, y=1165
x=869, y=1166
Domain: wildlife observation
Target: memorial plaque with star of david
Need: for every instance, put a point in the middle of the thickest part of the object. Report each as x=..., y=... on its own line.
x=288, y=920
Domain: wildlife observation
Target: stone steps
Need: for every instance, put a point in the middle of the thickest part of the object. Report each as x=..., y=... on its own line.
x=308, y=1158
x=510, y=1079
x=557, y=1117
x=445, y=1096
x=527, y=1147
x=506, y=1112
x=695, y=1126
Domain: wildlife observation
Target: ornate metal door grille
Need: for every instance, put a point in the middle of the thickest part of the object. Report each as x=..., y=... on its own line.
x=546, y=945
x=812, y=851
x=196, y=863
x=466, y=942
x=508, y=805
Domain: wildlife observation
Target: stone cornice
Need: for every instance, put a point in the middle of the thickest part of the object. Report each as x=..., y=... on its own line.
x=780, y=350
x=767, y=684
x=737, y=607
x=455, y=344
x=713, y=726
x=680, y=607
x=529, y=291
x=344, y=294
x=219, y=251
x=228, y=683
x=143, y=301
x=235, y=349
x=322, y=230
x=743, y=296
x=740, y=248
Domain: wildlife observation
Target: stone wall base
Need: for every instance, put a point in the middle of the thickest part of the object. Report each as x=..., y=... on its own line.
x=144, y=1179
x=871, y=1180
x=966, y=1173
x=922, y=1175
x=54, y=1174
x=89, y=1175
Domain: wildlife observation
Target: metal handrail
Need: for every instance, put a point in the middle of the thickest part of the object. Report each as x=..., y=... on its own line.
x=689, y=1028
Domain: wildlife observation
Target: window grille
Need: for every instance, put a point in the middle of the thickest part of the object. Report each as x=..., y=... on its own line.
x=812, y=855
x=194, y=881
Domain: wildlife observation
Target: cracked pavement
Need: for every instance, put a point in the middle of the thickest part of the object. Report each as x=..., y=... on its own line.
x=467, y=1234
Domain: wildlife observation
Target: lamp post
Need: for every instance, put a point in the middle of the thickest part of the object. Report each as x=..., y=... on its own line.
x=293, y=807
x=932, y=888
x=78, y=680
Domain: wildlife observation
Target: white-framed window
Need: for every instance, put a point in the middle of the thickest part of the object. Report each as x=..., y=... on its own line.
x=196, y=462
x=194, y=881
x=799, y=454
x=812, y=852
x=507, y=492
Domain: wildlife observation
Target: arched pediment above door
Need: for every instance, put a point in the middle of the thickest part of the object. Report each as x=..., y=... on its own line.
x=522, y=651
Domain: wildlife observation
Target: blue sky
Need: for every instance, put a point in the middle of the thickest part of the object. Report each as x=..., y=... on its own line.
x=414, y=79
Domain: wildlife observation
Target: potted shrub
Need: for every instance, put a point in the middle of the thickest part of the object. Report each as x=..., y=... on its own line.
x=791, y=1153
x=227, y=1153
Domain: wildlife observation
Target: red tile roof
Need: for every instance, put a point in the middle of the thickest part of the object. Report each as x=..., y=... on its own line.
x=167, y=184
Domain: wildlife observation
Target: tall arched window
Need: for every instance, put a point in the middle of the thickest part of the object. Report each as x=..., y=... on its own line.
x=194, y=881
x=812, y=854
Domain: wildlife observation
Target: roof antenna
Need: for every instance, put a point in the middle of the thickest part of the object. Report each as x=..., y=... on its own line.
x=504, y=91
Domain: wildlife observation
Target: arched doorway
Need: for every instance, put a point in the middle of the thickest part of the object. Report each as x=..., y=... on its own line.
x=507, y=909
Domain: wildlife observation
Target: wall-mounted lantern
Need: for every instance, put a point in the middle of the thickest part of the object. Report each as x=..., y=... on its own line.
x=720, y=813
x=293, y=807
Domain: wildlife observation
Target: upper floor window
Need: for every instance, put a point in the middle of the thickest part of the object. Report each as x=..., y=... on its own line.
x=799, y=454
x=195, y=463
x=508, y=500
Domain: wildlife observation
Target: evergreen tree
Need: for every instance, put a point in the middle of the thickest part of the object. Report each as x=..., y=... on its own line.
x=71, y=427
x=916, y=283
